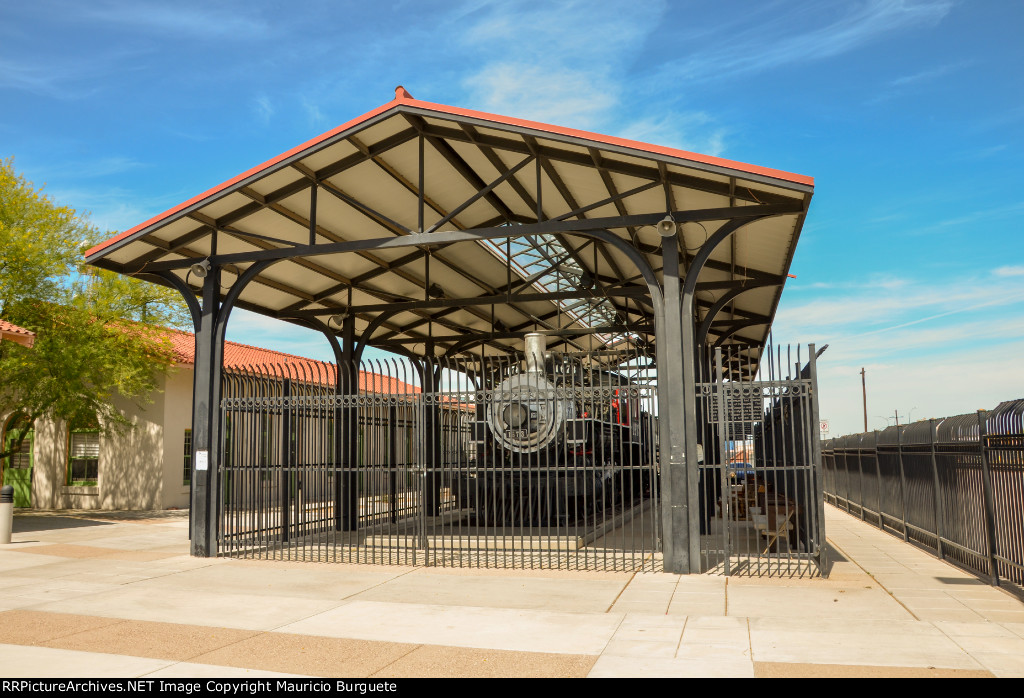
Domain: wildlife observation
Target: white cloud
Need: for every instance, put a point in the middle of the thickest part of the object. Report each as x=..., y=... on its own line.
x=929, y=74
x=101, y=167
x=203, y=20
x=985, y=214
x=693, y=131
x=560, y=96
x=857, y=311
x=115, y=208
x=960, y=382
x=788, y=38
x=1009, y=271
x=931, y=349
x=264, y=109
x=315, y=116
x=57, y=78
x=557, y=71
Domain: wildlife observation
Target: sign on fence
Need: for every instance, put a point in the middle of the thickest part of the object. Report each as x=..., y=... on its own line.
x=741, y=407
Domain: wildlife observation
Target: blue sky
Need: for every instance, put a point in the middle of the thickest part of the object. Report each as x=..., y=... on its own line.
x=910, y=116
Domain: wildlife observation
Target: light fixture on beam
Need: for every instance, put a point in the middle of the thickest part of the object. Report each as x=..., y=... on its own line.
x=200, y=269
x=667, y=227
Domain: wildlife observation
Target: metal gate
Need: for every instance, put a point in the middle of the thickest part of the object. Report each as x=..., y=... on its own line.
x=547, y=463
x=760, y=499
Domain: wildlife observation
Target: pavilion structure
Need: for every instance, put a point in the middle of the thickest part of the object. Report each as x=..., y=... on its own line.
x=435, y=231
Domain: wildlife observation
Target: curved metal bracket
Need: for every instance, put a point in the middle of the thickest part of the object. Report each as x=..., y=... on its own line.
x=186, y=292
x=702, y=331
x=364, y=339
x=733, y=329
x=228, y=302
x=701, y=258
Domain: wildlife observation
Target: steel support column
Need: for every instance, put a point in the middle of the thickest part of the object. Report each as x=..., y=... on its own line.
x=680, y=535
x=205, y=421
x=210, y=323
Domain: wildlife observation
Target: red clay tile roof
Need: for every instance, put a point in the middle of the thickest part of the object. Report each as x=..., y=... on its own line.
x=242, y=357
x=16, y=334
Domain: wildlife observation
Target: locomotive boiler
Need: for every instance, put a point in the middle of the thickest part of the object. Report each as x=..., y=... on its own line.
x=557, y=442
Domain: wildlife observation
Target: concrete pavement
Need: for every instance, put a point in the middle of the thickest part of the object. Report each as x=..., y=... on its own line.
x=99, y=595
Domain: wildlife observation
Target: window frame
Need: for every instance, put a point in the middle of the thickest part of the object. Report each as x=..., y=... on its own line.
x=70, y=460
x=27, y=445
x=187, y=460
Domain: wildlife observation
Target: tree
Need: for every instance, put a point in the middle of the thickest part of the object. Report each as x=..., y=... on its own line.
x=98, y=334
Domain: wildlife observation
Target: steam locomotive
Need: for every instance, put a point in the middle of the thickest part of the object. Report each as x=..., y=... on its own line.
x=558, y=443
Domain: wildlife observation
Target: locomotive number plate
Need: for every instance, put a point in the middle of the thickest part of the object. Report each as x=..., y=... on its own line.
x=517, y=434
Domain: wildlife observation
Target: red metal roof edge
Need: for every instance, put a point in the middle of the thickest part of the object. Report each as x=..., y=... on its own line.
x=621, y=142
x=402, y=97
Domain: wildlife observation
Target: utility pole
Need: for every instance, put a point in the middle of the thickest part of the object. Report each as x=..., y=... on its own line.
x=864, y=387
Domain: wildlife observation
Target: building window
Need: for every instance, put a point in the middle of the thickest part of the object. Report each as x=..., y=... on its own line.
x=22, y=459
x=187, y=475
x=84, y=456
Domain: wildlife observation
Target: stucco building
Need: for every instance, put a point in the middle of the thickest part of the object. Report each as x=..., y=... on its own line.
x=146, y=467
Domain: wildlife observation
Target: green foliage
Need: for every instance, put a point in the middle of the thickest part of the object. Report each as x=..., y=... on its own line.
x=97, y=333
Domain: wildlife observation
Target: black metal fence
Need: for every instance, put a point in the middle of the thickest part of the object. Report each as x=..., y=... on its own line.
x=954, y=486
x=760, y=496
x=484, y=464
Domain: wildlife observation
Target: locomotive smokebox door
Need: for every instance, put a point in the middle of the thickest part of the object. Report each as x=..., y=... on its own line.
x=525, y=414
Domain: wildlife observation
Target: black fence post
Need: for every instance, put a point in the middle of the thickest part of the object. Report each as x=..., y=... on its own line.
x=903, y=480
x=878, y=476
x=286, y=454
x=986, y=480
x=849, y=477
x=860, y=480
x=939, y=532
x=349, y=470
x=819, y=484
x=393, y=462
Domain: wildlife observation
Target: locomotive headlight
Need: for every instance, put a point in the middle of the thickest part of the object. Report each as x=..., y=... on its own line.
x=515, y=415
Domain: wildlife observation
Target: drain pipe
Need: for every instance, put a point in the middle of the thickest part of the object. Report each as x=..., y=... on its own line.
x=6, y=513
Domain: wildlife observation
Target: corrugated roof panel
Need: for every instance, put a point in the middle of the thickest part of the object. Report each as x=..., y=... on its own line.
x=330, y=155
x=225, y=204
x=272, y=224
x=273, y=181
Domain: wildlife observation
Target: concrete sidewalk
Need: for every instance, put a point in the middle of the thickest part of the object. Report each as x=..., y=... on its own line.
x=117, y=595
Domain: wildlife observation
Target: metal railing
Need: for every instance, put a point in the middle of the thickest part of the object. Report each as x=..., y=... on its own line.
x=759, y=487
x=954, y=486
x=482, y=464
